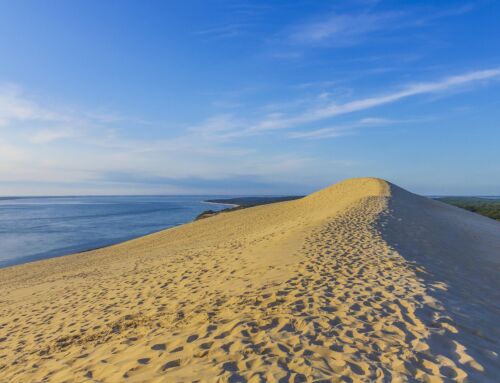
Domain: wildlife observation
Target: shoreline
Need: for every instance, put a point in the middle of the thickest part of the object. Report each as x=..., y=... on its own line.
x=40, y=257
x=220, y=203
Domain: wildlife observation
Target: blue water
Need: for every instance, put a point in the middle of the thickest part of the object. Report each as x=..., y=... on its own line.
x=33, y=228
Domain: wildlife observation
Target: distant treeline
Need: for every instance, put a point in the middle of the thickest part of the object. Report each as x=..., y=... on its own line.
x=253, y=201
x=484, y=206
x=242, y=203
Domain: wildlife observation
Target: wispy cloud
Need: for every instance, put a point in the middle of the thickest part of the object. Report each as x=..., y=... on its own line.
x=228, y=30
x=350, y=28
x=240, y=18
x=15, y=106
x=334, y=109
x=436, y=15
x=10, y=153
x=31, y=151
x=345, y=129
x=44, y=136
x=342, y=29
x=409, y=91
x=229, y=127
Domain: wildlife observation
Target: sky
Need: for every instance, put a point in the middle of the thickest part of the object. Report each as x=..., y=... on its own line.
x=248, y=97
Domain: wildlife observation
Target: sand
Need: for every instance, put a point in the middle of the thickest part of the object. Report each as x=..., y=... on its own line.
x=359, y=282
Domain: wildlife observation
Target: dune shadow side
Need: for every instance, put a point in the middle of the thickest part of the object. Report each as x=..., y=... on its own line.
x=457, y=255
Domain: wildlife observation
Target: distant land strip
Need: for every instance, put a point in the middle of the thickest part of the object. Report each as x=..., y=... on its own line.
x=242, y=203
x=488, y=207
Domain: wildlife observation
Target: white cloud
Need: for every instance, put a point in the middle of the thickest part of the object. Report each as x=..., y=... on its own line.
x=343, y=130
x=11, y=153
x=274, y=122
x=44, y=136
x=342, y=29
x=228, y=30
x=15, y=106
x=331, y=132
x=228, y=127
x=412, y=90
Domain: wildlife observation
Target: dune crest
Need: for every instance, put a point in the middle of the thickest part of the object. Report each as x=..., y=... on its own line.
x=361, y=281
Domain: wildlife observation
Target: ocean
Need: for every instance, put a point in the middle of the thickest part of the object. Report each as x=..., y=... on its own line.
x=33, y=228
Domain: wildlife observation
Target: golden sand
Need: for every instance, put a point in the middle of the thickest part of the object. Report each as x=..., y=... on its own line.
x=359, y=282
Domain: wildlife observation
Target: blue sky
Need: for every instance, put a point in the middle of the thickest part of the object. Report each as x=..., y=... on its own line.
x=248, y=97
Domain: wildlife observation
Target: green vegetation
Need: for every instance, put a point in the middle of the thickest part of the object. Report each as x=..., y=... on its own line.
x=243, y=203
x=253, y=201
x=489, y=207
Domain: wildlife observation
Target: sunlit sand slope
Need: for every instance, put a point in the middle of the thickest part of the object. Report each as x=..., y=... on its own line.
x=359, y=282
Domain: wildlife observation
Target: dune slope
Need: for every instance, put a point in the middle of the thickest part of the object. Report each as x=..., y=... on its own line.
x=361, y=281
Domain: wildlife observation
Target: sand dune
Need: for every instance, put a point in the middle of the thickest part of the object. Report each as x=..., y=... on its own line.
x=359, y=282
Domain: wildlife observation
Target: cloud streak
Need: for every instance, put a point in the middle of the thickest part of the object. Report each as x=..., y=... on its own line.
x=333, y=109
x=227, y=127
x=409, y=91
x=44, y=136
x=14, y=106
x=343, y=130
x=342, y=29
x=345, y=29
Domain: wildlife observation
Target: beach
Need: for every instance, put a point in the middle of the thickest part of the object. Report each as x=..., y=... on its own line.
x=359, y=282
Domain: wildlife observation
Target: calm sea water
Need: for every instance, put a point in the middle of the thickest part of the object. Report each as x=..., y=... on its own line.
x=33, y=228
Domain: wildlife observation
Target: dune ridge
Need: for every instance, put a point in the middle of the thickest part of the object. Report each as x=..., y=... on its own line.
x=359, y=282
